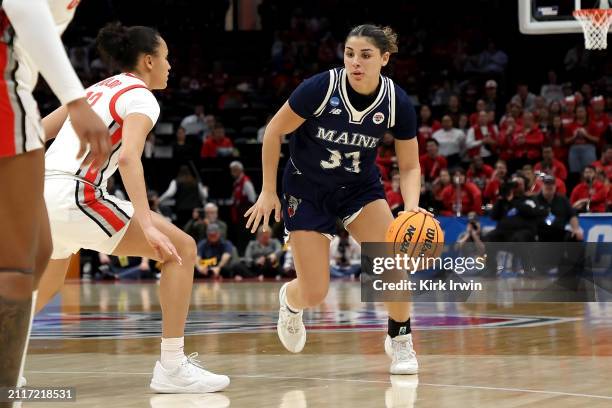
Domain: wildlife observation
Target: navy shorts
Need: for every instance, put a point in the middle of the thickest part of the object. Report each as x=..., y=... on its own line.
x=308, y=206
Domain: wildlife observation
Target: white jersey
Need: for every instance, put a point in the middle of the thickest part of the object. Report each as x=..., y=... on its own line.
x=112, y=99
x=29, y=44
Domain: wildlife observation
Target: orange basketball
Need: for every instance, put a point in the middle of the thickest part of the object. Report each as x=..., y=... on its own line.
x=416, y=234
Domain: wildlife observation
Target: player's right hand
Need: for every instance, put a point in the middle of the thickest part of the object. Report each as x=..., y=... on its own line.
x=161, y=244
x=92, y=132
x=266, y=203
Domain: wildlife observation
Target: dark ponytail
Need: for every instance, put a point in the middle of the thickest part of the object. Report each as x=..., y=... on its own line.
x=120, y=46
x=384, y=38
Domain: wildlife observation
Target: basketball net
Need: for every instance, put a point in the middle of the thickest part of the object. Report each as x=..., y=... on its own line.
x=595, y=24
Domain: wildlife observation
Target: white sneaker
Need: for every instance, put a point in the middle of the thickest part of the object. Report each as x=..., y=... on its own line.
x=188, y=378
x=402, y=353
x=290, y=327
x=22, y=382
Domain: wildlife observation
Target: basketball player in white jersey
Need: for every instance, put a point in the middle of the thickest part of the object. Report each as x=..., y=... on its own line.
x=84, y=215
x=30, y=43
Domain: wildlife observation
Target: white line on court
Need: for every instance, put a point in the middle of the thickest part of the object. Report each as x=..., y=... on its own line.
x=272, y=377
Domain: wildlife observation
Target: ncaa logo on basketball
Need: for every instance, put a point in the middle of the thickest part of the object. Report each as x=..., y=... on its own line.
x=378, y=118
x=334, y=101
x=293, y=205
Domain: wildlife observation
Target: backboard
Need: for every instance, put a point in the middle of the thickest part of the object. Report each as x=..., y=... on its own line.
x=553, y=16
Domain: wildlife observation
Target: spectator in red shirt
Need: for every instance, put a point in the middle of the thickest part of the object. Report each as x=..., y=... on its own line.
x=482, y=137
x=479, y=172
x=589, y=195
x=505, y=141
x=528, y=142
x=393, y=194
x=515, y=111
x=498, y=178
x=385, y=158
x=568, y=109
x=217, y=144
x=481, y=105
x=461, y=196
x=555, y=136
x=440, y=184
x=604, y=165
x=432, y=162
x=599, y=119
x=427, y=126
x=550, y=165
x=582, y=149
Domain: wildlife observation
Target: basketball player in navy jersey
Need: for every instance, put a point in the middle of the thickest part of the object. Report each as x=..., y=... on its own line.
x=339, y=117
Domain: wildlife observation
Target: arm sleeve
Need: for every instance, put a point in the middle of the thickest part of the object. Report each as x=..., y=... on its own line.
x=405, y=116
x=139, y=100
x=170, y=192
x=36, y=32
x=309, y=95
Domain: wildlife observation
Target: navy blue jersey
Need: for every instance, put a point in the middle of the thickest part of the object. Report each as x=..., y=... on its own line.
x=336, y=145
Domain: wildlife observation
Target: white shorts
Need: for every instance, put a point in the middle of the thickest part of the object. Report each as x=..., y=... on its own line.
x=98, y=224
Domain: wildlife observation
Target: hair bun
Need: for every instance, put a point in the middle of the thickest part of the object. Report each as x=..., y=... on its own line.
x=113, y=43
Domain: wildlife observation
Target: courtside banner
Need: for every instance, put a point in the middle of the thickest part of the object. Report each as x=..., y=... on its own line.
x=487, y=272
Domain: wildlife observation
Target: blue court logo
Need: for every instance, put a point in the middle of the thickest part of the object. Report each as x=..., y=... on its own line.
x=334, y=101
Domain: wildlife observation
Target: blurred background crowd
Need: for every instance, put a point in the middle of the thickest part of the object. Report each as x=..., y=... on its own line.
x=500, y=119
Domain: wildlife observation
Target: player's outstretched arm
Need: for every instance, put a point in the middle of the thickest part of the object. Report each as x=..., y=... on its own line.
x=285, y=121
x=53, y=122
x=37, y=35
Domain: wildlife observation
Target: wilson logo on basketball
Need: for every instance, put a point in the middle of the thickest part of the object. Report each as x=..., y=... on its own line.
x=378, y=118
x=430, y=235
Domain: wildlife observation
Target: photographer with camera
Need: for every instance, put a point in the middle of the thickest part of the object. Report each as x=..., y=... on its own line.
x=516, y=214
x=472, y=235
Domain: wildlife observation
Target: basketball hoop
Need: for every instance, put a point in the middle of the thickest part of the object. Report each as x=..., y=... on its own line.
x=595, y=24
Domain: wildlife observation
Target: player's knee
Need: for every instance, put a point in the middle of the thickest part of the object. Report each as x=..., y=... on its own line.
x=314, y=296
x=188, y=249
x=16, y=285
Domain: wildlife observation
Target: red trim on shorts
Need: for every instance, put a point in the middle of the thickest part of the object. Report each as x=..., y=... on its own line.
x=116, y=96
x=7, y=115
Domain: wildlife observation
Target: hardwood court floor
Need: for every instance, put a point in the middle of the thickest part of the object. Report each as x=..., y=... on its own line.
x=103, y=340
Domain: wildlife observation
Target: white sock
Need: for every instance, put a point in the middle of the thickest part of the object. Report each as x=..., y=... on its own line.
x=27, y=341
x=172, y=353
x=291, y=308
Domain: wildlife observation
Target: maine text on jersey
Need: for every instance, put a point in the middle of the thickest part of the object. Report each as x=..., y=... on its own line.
x=354, y=139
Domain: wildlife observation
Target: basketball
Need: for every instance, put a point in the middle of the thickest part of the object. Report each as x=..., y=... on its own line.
x=416, y=234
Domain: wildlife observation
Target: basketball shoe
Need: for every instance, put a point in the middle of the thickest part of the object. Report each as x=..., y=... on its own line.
x=188, y=378
x=403, y=356
x=290, y=327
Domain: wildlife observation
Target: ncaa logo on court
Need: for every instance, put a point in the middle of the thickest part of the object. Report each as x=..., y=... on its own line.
x=334, y=101
x=378, y=118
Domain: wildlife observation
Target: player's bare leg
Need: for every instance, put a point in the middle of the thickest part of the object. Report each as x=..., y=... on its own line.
x=51, y=281
x=20, y=215
x=371, y=226
x=174, y=369
x=307, y=290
